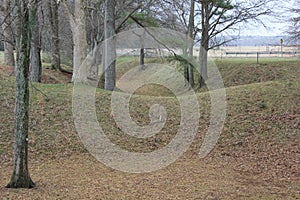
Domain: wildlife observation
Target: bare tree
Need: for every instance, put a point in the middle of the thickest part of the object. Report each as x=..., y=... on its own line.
x=182, y=15
x=172, y=14
x=294, y=30
x=20, y=177
x=78, y=26
x=109, y=45
x=35, y=50
x=7, y=27
x=191, y=35
x=218, y=16
x=54, y=27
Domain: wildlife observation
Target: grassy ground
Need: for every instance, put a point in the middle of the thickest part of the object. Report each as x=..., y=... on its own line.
x=257, y=156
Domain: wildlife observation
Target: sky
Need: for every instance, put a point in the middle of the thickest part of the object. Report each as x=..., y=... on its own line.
x=271, y=29
x=274, y=26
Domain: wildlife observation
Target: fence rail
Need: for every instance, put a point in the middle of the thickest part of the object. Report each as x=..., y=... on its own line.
x=253, y=51
x=263, y=53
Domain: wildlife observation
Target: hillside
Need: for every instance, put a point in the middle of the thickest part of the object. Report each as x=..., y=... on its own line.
x=257, y=156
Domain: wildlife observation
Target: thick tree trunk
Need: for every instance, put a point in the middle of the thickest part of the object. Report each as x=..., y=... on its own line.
x=110, y=46
x=21, y=177
x=203, y=67
x=54, y=23
x=8, y=34
x=204, y=45
x=17, y=25
x=35, y=51
x=80, y=48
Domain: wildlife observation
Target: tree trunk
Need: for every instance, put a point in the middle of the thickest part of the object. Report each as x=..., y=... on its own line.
x=54, y=24
x=191, y=75
x=110, y=46
x=203, y=66
x=78, y=25
x=17, y=25
x=186, y=68
x=21, y=177
x=142, y=58
x=35, y=50
x=96, y=61
x=204, y=45
x=191, y=43
x=186, y=75
x=8, y=34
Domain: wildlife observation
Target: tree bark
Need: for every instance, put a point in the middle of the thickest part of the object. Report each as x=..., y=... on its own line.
x=8, y=34
x=54, y=26
x=17, y=25
x=110, y=46
x=21, y=177
x=79, y=36
x=78, y=25
x=204, y=44
x=96, y=61
x=191, y=43
x=142, y=58
x=186, y=68
x=35, y=50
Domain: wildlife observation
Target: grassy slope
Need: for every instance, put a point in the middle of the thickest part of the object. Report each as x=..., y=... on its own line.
x=257, y=155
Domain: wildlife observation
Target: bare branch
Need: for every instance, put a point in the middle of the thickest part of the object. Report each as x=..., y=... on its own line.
x=127, y=17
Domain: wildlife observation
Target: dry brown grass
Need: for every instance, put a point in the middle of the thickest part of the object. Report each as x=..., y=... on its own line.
x=257, y=157
x=81, y=177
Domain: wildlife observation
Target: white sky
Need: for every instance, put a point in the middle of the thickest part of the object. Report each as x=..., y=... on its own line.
x=271, y=29
x=274, y=26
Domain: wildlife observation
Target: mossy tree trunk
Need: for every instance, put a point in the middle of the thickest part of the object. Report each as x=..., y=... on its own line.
x=20, y=177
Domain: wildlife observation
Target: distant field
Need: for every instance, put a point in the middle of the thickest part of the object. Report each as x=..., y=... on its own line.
x=251, y=51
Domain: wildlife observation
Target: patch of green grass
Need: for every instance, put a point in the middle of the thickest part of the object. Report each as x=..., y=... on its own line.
x=241, y=72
